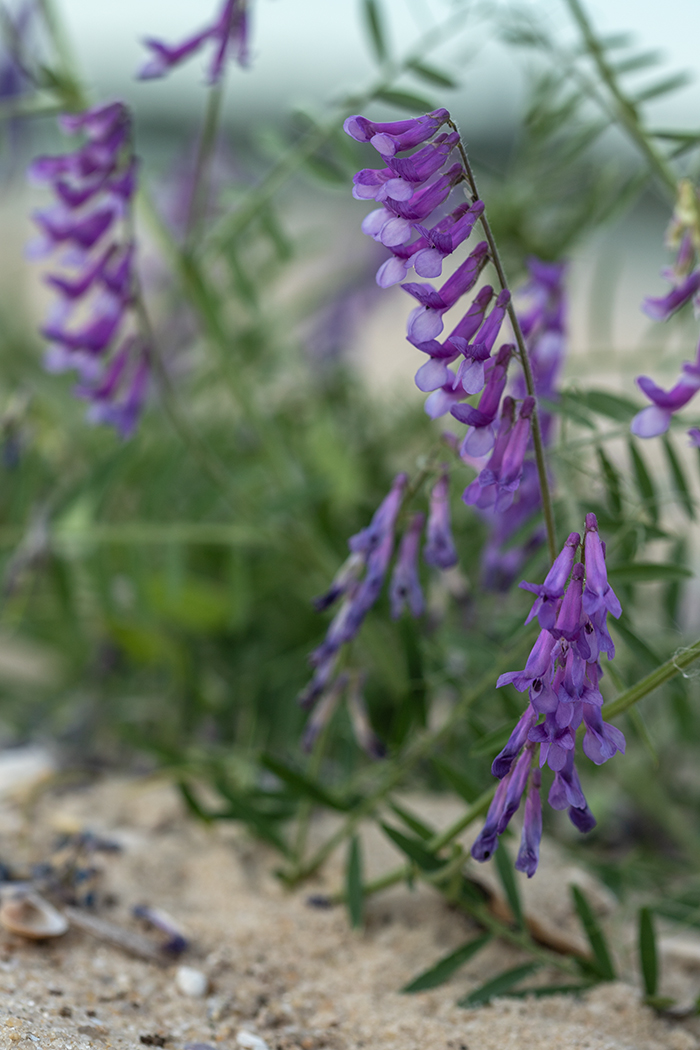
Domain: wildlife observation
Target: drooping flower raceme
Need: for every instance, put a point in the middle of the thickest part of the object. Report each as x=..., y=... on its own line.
x=92, y=327
x=683, y=235
x=359, y=582
x=422, y=228
x=228, y=33
x=561, y=678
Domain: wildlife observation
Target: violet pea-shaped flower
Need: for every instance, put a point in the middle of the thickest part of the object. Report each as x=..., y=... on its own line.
x=549, y=592
x=426, y=320
x=598, y=594
x=480, y=437
x=513, y=457
x=566, y=789
x=228, y=32
x=482, y=491
x=486, y=842
x=503, y=761
x=442, y=242
x=394, y=136
x=405, y=589
x=529, y=852
x=383, y=519
x=399, y=180
x=471, y=371
x=538, y=664
x=440, y=549
x=601, y=740
x=656, y=419
x=660, y=309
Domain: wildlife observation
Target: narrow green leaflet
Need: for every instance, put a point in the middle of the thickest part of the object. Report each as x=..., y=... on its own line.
x=621, y=409
x=432, y=75
x=602, y=961
x=647, y=572
x=679, y=481
x=648, y=959
x=406, y=100
x=303, y=785
x=457, y=780
x=662, y=87
x=375, y=30
x=353, y=883
x=506, y=873
x=492, y=742
x=644, y=483
x=499, y=985
x=445, y=967
x=549, y=989
x=414, y=849
x=611, y=478
x=411, y=821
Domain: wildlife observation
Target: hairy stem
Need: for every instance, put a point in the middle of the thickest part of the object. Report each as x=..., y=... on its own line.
x=524, y=358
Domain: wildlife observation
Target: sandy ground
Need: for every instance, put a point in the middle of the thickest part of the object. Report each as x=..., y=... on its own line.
x=295, y=976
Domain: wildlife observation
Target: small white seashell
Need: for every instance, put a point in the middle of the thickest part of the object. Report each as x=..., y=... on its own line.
x=250, y=1041
x=30, y=915
x=191, y=982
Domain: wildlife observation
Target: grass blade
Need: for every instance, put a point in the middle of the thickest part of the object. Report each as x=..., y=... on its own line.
x=602, y=961
x=445, y=967
x=353, y=883
x=499, y=985
x=648, y=957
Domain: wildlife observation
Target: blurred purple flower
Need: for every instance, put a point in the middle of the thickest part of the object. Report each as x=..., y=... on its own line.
x=228, y=32
x=92, y=327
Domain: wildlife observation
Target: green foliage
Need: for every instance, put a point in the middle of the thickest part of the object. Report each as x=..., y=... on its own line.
x=447, y=966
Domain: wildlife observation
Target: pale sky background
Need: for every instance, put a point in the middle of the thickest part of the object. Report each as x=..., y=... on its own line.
x=306, y=51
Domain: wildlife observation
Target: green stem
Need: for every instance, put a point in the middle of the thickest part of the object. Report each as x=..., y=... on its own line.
x=547, y=509
x=625, y=111
x=201, y=177
x=675, y=665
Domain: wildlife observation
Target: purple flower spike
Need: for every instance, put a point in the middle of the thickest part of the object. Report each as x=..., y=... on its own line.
x=405, y=589
x=229, y=33
x=598, y=593
x=95, y=185
x=395, y=136
x=440, y=549
x=545, y=608
x=529, y=852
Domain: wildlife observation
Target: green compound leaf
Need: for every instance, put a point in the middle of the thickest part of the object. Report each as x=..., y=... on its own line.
x=445, y=967
x=648, y=958
x=602, y=961
x=354, y=895
x=506, y=873
x=499, y=985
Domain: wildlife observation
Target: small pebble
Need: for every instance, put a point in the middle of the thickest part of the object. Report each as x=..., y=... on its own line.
x=250, y=1041
x=191, y=982
x=199, y=1046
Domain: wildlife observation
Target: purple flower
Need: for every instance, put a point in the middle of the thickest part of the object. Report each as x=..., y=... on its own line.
x=529, y=852
x=405, y=589
x=665, y=306
x=598, y=594
x=228, y=32
x=482, y=491
x=656, y=419
x=548, y=593
x=480, y=437
x=389, y=139
x=440, y=549
x=94, y=186
x=426, y=320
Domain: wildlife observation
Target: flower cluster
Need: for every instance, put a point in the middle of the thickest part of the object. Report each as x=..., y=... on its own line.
x=360, y=579
x=228, y=32
x=561, y=677
x=92, y=326
x=541, y=308
x=683, y=235
x=410, y=189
